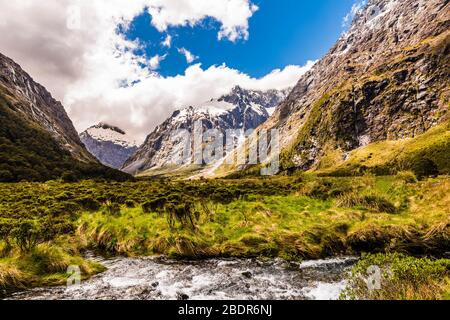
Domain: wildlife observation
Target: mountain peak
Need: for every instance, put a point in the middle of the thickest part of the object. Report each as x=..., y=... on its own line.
x=239, y=109
x=109, y=144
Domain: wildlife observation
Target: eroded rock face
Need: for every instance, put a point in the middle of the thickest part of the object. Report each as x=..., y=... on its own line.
x=241, y=109
x=109, y=144
x=33, y=102
x=386, y=78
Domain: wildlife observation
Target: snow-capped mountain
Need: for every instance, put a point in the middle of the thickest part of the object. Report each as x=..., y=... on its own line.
x=386, y=78
x=109, y=144
x=240, y=109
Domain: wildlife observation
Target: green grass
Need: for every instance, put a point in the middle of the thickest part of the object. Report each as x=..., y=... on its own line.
x=401, y=278
x=294, y=218
x=426, y=154
x=296, y=225
x=44, y=265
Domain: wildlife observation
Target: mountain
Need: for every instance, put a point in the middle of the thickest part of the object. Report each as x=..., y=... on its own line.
x=38, y=141
x=240, y=109
x=109, y=144
x=386, y=79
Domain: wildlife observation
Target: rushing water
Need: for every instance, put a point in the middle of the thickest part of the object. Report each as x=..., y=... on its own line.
x=161, y=278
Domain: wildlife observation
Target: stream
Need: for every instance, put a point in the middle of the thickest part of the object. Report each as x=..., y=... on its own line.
x=217, y=279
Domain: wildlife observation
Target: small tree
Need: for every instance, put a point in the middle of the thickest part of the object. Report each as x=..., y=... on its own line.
x=26, y=235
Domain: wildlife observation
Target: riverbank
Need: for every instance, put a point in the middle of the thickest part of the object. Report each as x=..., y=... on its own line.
x=292, y=218
x=238, y=279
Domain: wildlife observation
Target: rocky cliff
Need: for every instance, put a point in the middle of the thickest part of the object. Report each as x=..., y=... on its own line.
x=37, y=139
x=387, y=78
x=240, y=109
x=34, y=103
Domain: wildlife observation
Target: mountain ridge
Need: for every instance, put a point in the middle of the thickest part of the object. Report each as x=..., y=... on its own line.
x=242, y=109
x=38, y=141
x=36, y=104
x=384, y=79
x=109, y=144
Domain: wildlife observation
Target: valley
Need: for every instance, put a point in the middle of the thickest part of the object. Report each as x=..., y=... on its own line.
x=48, y=226
x=361, y=142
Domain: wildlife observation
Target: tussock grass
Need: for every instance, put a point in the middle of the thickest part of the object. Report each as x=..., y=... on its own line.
x=372, y=202
x=347, y=216
x=402, y=278
x=45, y=265
x=11, y=278
x=300, y=217
x=425, y=155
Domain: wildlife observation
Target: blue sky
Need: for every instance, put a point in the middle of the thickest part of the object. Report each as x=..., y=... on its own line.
x=108, y=80
x=282, y=32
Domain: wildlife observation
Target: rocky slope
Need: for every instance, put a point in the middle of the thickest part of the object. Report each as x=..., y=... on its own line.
x=241, y=109
x=109, y=144
x=37, y=139
x=385, y=79
x=34, y=103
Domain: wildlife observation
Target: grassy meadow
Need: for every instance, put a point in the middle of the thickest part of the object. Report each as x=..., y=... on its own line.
x=45, y=227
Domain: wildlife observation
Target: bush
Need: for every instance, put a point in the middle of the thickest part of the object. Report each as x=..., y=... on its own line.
x=406, y=176
x=184, y=213
x=69, y=177
x=6, y=176
x=26, y=235
x=89, y=204
x=154, y=205
x=130, y=204
x=373, y=202
x=402, y=278
x=424, y=167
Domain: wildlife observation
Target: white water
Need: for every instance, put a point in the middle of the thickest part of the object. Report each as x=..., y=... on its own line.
x=223, y=279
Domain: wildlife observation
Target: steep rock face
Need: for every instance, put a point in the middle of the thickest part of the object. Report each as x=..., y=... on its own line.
x=34, y=103
x=241, y=109
x=109, y=144
x=37, y=139
x=385, y=79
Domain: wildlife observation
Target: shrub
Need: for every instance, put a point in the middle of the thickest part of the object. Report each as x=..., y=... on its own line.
x=26, y=234
x=424, y=167
x=130, y=204
x=154, y=205
x=184, y=213
x=69, y=176
x=112, y=208
x=406, y=176
x=89, y=204
x=373, y=202
x=324, y=189
x=402, y=278
x=6, y=176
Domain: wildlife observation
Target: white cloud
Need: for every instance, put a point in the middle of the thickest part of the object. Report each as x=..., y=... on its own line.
x=138, y=109
x=188, y=55
x=167, y=41
x=232, y=14
x=356, y=9
x=95, y=73
x=155, y=61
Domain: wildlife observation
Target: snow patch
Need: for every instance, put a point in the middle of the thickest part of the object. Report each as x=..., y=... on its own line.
x=110, y=135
